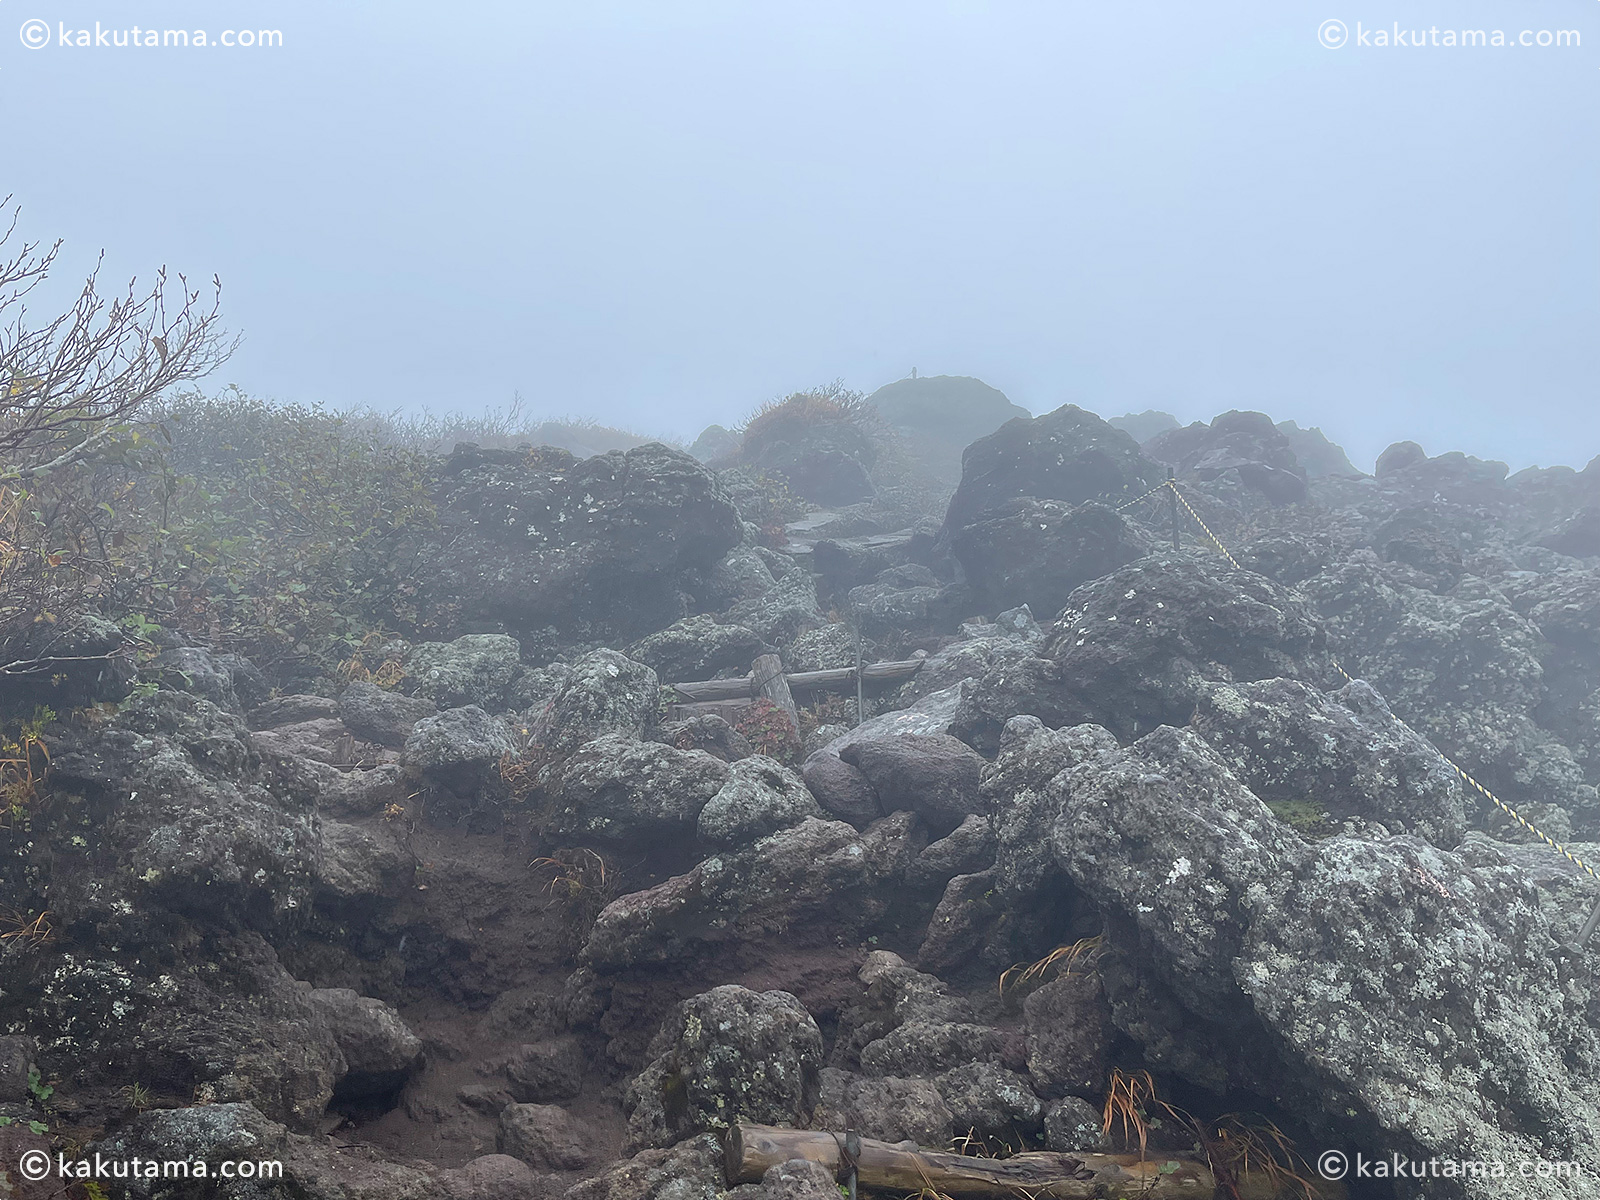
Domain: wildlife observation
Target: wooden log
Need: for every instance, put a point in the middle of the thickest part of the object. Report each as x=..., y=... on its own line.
x=752, y=1149
x=729, y=710
x=770, y=683
x=743, y=688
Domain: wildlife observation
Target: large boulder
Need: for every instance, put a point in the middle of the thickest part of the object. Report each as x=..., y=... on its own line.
x=380, y=1052
x=1069, y=455
x=888, y=1109
x=596, y=547
x=457, y=749
x=1320, y=759
x=1021, y=524
x=192, y=819
x=698, y=648
x=1391, y=994
x=479, y=668
x=603, y=692
x=1035, y=552
x=1466, y=669
x=1243, y=445
x=725, y=1056
x=1135, y=649
x=933, y=775
x=620, y=791
x=817, y=882
x=760, y=797
x=382, y=716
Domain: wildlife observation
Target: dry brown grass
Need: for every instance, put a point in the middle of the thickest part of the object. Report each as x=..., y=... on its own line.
x=1062, y=960
x=1235, y=1145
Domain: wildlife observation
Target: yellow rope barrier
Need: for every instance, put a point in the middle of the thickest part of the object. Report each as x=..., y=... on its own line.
x=1450, y=762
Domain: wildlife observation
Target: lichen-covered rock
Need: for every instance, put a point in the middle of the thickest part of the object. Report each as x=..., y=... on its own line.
x=194, y=820
x=906, y=600
x=381, y=716
x=990, y=1101
x=698, y=648
x=1465, y=670
x=623, y=791
x=1381, y=988
x=707, y=732
x=605, y=692
x=380, y=1051
x=691, y=1170
x=477, y=668
x=888, y=1109
x=1325, y=758
x=725, y=1056
x=828, y=647
x=1132, y=650
x=784, y=611
x=760, y=797
x=1069, y=455
x=596, y=547
x=981, y=647
x=1074, y=1125
x=457, y=748
x=927, y=1048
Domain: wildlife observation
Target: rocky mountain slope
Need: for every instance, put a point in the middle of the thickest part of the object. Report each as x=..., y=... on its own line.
x=497, y=916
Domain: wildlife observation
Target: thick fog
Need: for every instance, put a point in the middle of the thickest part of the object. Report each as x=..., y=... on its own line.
x=660, y=215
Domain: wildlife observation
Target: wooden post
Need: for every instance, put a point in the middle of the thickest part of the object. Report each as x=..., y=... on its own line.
x=769, y=682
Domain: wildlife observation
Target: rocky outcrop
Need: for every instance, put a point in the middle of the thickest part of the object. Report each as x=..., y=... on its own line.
x=602, y=545
x=727, y=1055
x=1134, y=650
x=619, y=790
x=1241, y=955
x=603, y=693
x=698, y=648
x=1242, y=446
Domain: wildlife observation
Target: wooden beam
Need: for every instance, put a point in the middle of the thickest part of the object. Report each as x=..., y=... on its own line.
x=743, y=688
x=770, y=683
x=752, y=1149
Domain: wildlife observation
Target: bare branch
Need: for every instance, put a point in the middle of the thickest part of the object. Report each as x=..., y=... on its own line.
x=97, y=364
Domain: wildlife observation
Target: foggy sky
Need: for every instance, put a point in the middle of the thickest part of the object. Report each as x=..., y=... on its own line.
x=661, y=214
